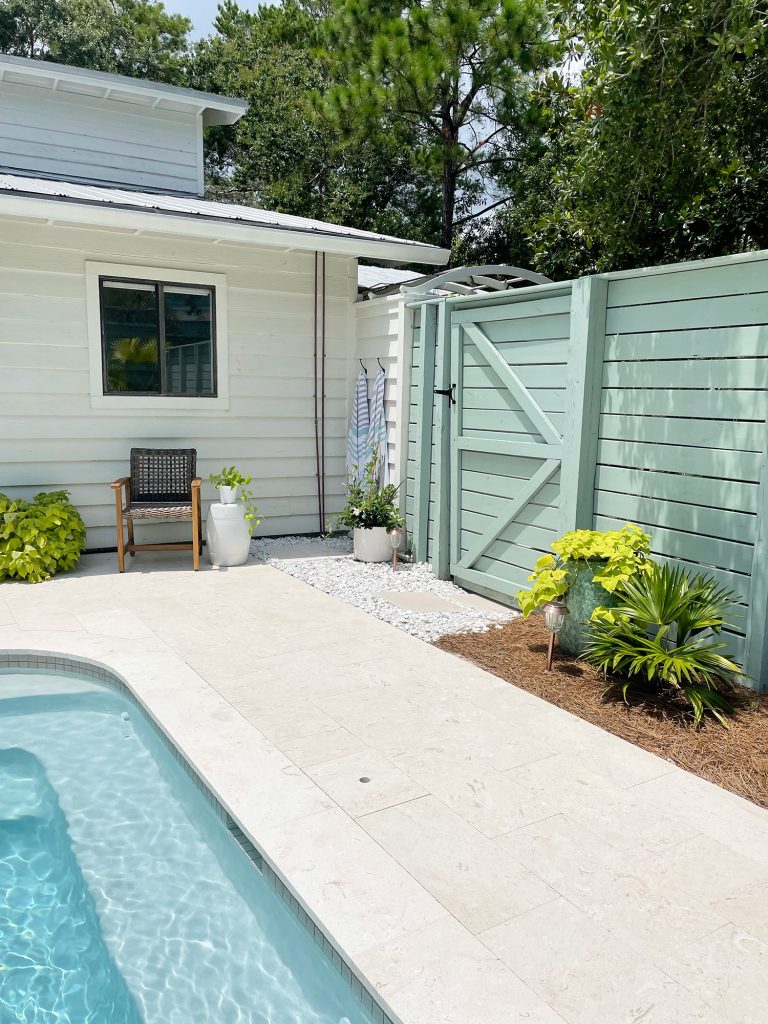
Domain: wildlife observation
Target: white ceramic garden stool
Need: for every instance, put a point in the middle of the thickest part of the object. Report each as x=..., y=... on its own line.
x=227, y=537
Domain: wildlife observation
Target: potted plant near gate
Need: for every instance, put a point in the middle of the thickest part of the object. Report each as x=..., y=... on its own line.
x=370, y=513
x=585, y=570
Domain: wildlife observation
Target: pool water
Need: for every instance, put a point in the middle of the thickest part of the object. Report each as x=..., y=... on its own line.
x=124, y=899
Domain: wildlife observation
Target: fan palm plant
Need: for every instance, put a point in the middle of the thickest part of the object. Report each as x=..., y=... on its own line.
x=665, y=630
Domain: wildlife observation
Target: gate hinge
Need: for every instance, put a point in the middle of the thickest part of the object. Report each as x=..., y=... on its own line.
x=448, y=392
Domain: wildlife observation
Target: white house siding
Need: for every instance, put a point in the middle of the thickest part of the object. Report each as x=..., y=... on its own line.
x=66, y=135
x=50, y=437
x=379, y=336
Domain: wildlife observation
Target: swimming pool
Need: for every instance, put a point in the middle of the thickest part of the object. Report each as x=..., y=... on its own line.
x=124, y=898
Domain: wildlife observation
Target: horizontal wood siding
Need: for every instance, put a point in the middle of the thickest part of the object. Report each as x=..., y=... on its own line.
x=51, y=438
x=376, y=331
x=102, y=141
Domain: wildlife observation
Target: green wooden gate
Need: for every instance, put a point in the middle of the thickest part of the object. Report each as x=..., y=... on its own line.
x=489, y=489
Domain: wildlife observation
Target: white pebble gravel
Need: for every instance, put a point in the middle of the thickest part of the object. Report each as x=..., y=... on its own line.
x=333, y=570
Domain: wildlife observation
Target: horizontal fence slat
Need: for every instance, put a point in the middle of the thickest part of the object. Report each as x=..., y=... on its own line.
x=492, y=398
x=514, y=310
x=695, y=490
x=689, y=314
x=738, y=436
x=670, y=284
x=531, y=376
x=723, y=341
x=744, y=404
x=487, y=507
x=718, y=463
x=713, y=522
x=688, y=373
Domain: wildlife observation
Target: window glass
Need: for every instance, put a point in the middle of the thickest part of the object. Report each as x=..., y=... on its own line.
x=188, y=317
x=130, y=338
x=157, y=339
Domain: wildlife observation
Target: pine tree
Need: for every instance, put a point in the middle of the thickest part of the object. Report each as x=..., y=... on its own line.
x=458, y=72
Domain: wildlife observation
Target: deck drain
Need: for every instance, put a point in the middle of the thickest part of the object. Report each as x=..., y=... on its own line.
x=364, y=778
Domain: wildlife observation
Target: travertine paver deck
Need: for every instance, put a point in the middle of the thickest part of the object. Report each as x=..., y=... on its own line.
x=506, y=863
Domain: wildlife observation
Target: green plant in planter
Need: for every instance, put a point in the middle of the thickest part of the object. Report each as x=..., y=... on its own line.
x=230, y=476
x=614, y=555
x=368, y=503
x=663, y=631
x=39, y=538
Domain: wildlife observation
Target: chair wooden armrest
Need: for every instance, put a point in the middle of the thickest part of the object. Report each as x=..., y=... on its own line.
x=196, y=483
x=121, y=482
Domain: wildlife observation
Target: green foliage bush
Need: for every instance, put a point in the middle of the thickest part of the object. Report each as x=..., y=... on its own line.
x=664, y=632
x=39, y=538
x=619, y=554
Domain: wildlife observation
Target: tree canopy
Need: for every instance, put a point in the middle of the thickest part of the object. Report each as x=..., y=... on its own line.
x=658, y=150
x=456, y=74
x=570, y=136
x=286, y=153
x=130, y=37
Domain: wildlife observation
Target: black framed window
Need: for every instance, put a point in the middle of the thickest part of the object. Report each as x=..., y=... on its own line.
x=157, y=338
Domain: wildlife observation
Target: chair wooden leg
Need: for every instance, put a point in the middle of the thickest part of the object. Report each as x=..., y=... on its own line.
x=130, y=537
x=120, y=538
x=196, y=529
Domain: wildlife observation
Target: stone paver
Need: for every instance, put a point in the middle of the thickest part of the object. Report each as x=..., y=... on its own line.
x=507, y=862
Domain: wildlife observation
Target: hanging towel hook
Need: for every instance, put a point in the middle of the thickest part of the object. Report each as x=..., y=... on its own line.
x=379, y=362
x=362, y=364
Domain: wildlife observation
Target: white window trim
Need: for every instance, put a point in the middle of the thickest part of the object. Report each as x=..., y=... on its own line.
x=157, y=403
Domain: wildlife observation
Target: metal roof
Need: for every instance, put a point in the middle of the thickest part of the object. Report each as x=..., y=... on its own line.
x=371, y=278
x=71, y=202
x=137, y=91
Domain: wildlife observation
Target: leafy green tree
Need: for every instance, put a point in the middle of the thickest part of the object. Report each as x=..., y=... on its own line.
x=285, y=153
x=132, y=37
x=457, y=74
x=657, y=149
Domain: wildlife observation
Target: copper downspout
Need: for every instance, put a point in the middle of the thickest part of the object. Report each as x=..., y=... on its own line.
x=322, y=410
x=315, y=396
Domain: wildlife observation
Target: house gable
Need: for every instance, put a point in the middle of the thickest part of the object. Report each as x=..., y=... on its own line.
x=86, y=126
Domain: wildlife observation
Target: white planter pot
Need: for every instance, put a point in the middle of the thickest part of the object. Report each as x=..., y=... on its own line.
x=227, y=537
x=228, y=495
x=372, y=545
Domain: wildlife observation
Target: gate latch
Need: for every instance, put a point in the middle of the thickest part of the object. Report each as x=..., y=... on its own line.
x=448, y=392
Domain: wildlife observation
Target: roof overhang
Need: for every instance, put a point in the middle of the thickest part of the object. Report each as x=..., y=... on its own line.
x=120, y=88
x=321, y=238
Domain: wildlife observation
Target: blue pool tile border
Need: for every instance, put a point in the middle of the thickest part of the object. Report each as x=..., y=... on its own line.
x=98, y=673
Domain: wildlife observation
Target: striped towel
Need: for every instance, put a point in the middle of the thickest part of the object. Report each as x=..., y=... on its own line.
x=377, y=432
x=357, y=438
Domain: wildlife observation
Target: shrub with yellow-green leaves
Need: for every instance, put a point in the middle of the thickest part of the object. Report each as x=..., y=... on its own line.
x=39, y=538
x=616, y=556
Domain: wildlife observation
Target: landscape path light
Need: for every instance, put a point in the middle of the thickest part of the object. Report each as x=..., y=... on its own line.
x=554, y=617
x=396, y=535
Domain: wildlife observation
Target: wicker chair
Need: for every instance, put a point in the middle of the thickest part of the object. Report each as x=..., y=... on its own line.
x=162, y=485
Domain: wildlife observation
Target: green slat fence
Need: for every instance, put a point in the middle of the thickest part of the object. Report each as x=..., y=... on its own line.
x=663, y=415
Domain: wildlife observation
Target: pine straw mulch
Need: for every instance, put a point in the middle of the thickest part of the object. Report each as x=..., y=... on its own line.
x=735, y=758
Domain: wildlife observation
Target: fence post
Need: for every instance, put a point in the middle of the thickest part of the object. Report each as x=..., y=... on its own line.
x=756, y=660
x=442, y=510
x=582, y=403
x=403, y=364
x=425, y=399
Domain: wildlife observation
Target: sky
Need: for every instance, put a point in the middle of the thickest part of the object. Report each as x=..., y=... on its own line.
x=202, y=12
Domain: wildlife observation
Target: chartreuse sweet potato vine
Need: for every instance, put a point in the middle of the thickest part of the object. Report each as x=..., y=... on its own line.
x=622, y=554
x=39, y=538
